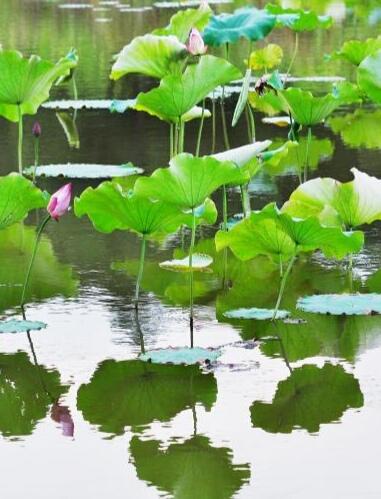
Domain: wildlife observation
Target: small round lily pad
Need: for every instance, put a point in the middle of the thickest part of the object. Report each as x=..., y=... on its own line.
x=200, y=262
x=184, y=355
x=345, y=304
x=84, y=170
x=259, y=314
x=20, y=326
x=106, y=104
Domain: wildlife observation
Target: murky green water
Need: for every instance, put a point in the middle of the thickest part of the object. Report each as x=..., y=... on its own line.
x=294, y=411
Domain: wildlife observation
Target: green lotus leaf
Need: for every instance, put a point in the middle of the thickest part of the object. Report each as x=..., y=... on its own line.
x=110, y=207
x=298, y=19
x=18, y=196
x=72, y=58
x=178, y=94
x=200, y=262
x=273, y=157
x=20, y=326
x=361, y=129
x=348, y=93
x=355, y=51
x=267, y=58
x=70, y=129
x=181, y=356
x=190, y=469
x=183, y=21
x=26, y=392
x=269, y=103
x=309, y=397
x=306, y=109
x=248, y=22
x=25, y=83
x=271, y=232
x=349, y=204
x=369, y=76
x=135, y=393
x=49, y=277
x=150, y=55
x=188, y=181
x=344, y=304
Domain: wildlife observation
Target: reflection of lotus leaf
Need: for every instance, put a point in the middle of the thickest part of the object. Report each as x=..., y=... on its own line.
x=309, y=397
x=135, y=393
x=359, y=129
x=26, y=391
x=49, y=277
x=188, y=470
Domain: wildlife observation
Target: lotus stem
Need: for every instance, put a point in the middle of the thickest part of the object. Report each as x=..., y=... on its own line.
x=181, y=136
x=306, y=165
x=283, y=286
x=246, y=207
x=296, y=47
x=140, y=272
x=223, y=118
x=28, y=274
x=171, y=141
x=248, y=126
x=191, y=276
x=20, y=138
x=225, y=208
x=200, y=129
x=36, y=157
x=213, y=125
x=140, y=332
x=176, y=140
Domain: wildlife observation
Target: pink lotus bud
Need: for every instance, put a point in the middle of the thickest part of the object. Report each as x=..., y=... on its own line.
x=61, y=414
x=59, y=202
x=195, y=44
x=36, y=130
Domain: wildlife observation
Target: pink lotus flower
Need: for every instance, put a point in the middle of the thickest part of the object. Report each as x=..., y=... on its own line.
x=59, y=202
x=195, y=44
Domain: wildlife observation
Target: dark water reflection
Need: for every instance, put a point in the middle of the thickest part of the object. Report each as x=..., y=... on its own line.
x=141, y=431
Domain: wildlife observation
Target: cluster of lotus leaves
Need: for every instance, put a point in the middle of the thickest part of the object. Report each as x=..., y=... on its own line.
x=355, y=51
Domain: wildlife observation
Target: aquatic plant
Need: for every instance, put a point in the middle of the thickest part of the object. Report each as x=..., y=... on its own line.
x=355, y=51
x=369, y=76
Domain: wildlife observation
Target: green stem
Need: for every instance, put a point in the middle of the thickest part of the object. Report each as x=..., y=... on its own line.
x=283, y=286
x=28, y=274
x=248, y=126
x=140, y=272
x=223, y=118
x=225, y=208
x=296, y=47
x=191, y=275
x=306, y=164
x=252, y=122
x=171, y=141
x=36, y=157
x=176, y=141
x=213, y=125
x=200, y=129
x=19, y=146
x=246, y=207
x=181, y=136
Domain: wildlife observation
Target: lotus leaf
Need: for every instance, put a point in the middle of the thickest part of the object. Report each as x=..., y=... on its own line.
x=298, y=19
x=361, y=129
x=20, y=326
x=181, y=356
x=259, y=314
x=355, y=51
x=184, y=20
x=345, y=304
x=200, y=262
x=267, y=58
x=369, y=76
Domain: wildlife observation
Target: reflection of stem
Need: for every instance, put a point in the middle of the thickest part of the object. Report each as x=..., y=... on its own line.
x=200, y=129
x=140, y=272
x=140, y=332
x=296, y=46
x=283, y=286
x=38, y=237
x=223, y=118
x=19, y=145
x=306, y=166
x=194, y=416
x=225, y=208
x=213, y=124
x=191, y=275
x=283, y=351
x=36, y=156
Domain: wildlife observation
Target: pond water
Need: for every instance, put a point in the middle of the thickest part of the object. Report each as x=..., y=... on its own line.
x=290, y=410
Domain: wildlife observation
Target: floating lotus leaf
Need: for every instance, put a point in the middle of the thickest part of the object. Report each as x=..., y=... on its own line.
x=17, y=197
x=298, y=19
x=70, y=129
x=351, y=204
x=346, y=304
x=25, y=83
x=369, y=76
x=49, y=277
x=150, y=55
x=188, y=181
x=355, y=51
x=65, y=105
x=200, y=263
x=276, y=234
x=26, y=392
x=248, y=22
x=110, y=208
x=84, y=170
x=361, y=129
x=136, y=393
x=20, y=326
x=309, y=397
x=267, y=58
x=306, y=109
x=259, y=314
x=178, y=94
x=183, y=21
x=189, y=469
x=181, y=356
